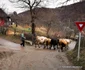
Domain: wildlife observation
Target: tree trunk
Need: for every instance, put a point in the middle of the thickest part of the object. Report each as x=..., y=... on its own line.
x=15, y=30
x=32, y=25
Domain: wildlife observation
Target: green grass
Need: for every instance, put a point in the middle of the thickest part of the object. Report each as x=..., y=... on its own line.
x=20, y=28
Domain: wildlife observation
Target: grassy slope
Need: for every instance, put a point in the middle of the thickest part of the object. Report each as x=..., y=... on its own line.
x=72, y=55
x=19, y=29
x=12, y=38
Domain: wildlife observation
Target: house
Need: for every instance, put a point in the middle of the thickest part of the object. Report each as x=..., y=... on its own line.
x=4, y=18
x=4, y=21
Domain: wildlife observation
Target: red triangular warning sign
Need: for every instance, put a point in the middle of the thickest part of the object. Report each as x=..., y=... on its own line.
x=80, y=25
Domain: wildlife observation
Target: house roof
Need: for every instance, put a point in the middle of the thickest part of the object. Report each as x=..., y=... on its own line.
x=2, y=14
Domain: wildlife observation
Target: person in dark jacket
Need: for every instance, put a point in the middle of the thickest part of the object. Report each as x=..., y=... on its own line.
x=22, y=39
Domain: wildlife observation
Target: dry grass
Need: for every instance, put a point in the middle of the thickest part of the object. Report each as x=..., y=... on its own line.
x=72, y=55
x=12, y=38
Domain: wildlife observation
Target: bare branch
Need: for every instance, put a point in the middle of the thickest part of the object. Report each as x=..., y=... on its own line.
x=29, y=1
x=37, y=3
x=34, y=3
x=62, y=3
x=26, y=1
x=65, y=1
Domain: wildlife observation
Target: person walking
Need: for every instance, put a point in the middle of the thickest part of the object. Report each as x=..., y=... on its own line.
x=22, y=39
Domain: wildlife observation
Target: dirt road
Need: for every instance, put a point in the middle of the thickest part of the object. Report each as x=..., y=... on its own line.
x=30, y=58
x=36, y=59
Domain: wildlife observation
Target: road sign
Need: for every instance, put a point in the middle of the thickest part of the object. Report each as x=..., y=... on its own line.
x=80, y=25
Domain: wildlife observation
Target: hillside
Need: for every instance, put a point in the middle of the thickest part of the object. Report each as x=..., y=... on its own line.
x=62, y=19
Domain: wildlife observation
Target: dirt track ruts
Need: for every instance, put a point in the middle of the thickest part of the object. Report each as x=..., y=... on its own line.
x=36, y=59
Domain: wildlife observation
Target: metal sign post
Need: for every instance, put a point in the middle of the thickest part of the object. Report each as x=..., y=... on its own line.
x=79, y=46
x=80, y=26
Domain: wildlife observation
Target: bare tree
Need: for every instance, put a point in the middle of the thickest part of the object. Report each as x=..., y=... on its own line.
x=31, y=5
x=48, y=27
x=16, y=23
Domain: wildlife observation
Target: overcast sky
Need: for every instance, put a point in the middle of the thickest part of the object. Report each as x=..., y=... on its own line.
x=10, y=7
